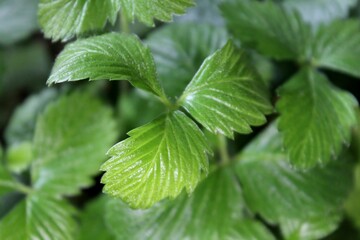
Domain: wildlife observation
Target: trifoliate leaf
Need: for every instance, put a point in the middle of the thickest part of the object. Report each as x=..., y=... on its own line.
x=317, y=12
x=18, y=20
x=22, y=123
x=111, y=56
x=19, y=157
x=92, y=221
x=226, y=95
x=312, y=229
x=146, y=10
x=181, y=48
x=315, y=118
x=342, y=52
x=213, y=212
x=279, y=193
x=39, y=217
x=70, y=143
x=157, y=161
x=273, y=32
x=62, y=19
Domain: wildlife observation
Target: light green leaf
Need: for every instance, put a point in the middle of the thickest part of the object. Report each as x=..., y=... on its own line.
x=111, y=56
x=280, y=194
x=213, y=212
x=342, y=52
x=312, y=229
x=70, y=143
x=146, y=10
x=317, y=12
x=39, y=217
x=315, y=118
x=92, y=221
x=19, y=157
x=226, y=95
x=18, y=20
x=62, y=19
x=157, y=161
x=181, y=48
x=273, y=32
x=22, y=123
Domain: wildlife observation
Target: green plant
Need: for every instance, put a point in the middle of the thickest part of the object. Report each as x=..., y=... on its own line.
x=191, y=166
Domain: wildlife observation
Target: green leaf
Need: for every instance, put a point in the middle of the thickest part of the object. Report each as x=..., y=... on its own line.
x=214, y=211
x=352, y=204
x=342, y=52
x=273, y=32
x=70, y=143
x=111, y=56
x=22, y=123
x=19, y=157
x=312, y=229
x=226, y=95
x=39, y=217
x=205, y=11
x=26, y=67
x=18, y=20
x=181, y=48
x=92, y=221
x=146, y=10
x=317, y=12
x=169, y=152
x=315, y=118
x=137, y=108
x=6, y=180
x=62, y=19
x=279, y=194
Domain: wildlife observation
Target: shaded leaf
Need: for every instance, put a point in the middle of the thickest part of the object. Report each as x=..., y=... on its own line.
x=341, y=53
x=312, y=229
x=22, y=123
x=92, y=221
x=111, y=56
x=315, y=118
x=317, y=12
x=282, y=195
x=70, y=143
x=226, y=95
x=181, y=48
x=213, y=211
x=39, y=217
x=205, y=11
x=137, y=108
x=18, y=20
x=157, y=161
x=273, y=32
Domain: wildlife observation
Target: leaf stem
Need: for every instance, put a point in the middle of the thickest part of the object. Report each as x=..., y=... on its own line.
x=124, y=23
x=222, y=145
x=16, y=186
